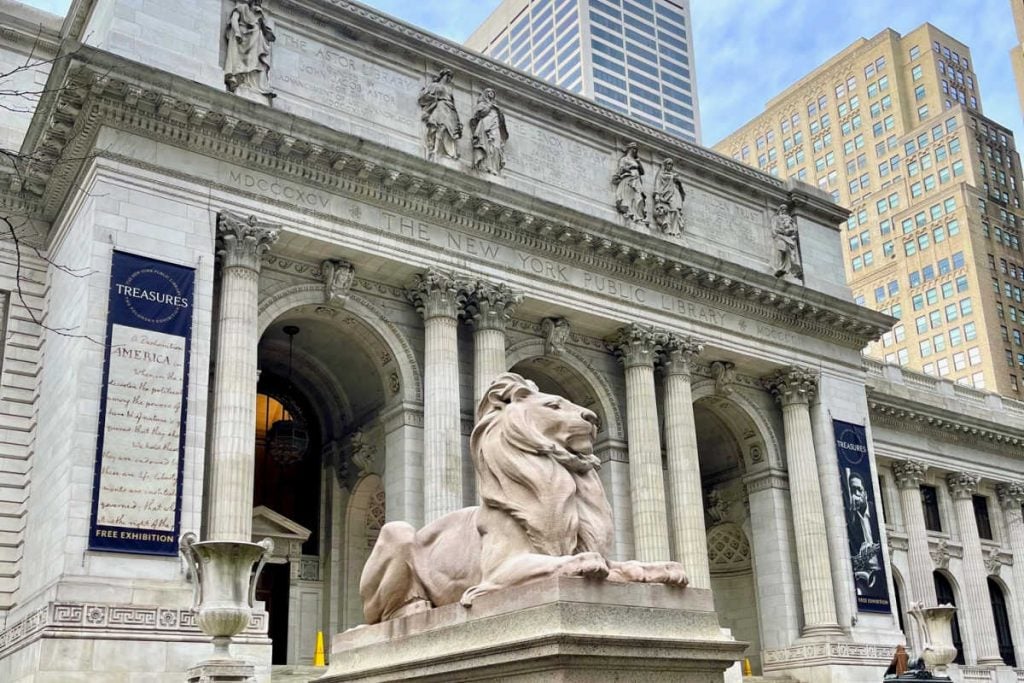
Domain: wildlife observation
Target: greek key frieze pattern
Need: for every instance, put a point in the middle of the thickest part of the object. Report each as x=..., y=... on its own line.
x=140, y=620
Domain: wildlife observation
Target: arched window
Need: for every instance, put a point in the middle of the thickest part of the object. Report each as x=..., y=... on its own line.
x=899, y=605
x=1002, y=619
x=944, y=595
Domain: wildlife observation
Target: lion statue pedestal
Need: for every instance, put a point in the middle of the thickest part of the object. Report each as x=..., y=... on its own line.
x=551, y=630
x=521, y=587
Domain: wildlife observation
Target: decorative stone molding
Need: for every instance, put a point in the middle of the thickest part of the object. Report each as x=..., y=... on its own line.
x=823, y=653
x=242, y=242
x=941, y=552
x=792, y=385
x=363, y=453
x=678, y=353
x=766, y=479
x=962, y=484
x=207, y=130
x=637, y=344
x=135, y=622
x=960, y=429
x=994, y=561
x=908, y=473
x=717, y=506
x=557, y=332
x=1011, y=495
x=729, y=550
x=309, y=568
x=437, y=294
x=338, y=276
x=490, y=306
x=724, y=374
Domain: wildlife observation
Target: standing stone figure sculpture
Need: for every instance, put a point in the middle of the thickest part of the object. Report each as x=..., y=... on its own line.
x=669, y=196
x=437, y=106
x=787, y=243
x=489, y=133
x=630, y=199
x=543, y=513
x=249, y=33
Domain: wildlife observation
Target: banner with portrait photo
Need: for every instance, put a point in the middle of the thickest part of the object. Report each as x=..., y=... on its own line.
x=136, y=504
x=861, y=509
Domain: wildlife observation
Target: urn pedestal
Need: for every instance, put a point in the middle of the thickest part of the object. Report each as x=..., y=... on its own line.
x=224, y=590
x=938, y=651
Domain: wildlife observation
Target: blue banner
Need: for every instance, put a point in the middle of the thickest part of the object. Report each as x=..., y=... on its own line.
x=140, y=450
x=861, y=518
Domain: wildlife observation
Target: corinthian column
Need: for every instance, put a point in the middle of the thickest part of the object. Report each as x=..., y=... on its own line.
x=1011, y=498
x=438, y=298
x=636, y=347
x=977, y=602
x=241, y=244
x=909, y=474
x=794, y=388
x=684, y=487
x=488, y=308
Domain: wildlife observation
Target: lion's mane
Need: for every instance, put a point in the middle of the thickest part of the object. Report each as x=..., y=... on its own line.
x=555, y=495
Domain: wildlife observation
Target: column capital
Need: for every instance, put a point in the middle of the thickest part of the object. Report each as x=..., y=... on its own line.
x=489, y=306
x=908, y=473
x=637, y=344
x=792, y=385
x=678, y=353
x=436, y=294
x=242, y=242
x=962, y=484
x=1011, y=495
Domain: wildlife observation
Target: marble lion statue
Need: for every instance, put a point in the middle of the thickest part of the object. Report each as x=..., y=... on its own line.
x=543, y=512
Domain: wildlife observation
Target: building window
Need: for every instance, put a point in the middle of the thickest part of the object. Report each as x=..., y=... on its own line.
x=981, y=517
x=1002, y=618
x=930, y=506
x=944, y=596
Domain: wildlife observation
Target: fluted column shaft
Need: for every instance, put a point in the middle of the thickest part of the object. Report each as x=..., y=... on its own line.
x=977, y=602
x=794, y=388
x=438, y=298
x=1011, y=498
x=637, y=347
x=241, y=244
x=489, y=308
x=909, y=474
x=684, y=486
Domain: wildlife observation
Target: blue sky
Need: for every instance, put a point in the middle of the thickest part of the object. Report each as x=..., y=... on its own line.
x=750, y=50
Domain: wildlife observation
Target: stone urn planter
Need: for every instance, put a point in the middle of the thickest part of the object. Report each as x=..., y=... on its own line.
x=935, y=623
x=224, y=585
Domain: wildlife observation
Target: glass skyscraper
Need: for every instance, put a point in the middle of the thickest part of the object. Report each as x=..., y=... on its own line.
x=634, y=56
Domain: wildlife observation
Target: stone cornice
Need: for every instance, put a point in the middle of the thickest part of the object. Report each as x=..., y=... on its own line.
x=904, y=414
x=196, y=118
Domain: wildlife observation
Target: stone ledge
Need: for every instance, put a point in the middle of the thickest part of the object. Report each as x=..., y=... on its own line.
x=557, y=629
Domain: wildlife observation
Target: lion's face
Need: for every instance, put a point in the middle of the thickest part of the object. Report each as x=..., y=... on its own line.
x=559, y=422
x=539, y=423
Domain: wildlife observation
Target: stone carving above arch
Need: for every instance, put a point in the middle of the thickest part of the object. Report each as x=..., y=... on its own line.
x=397, y=348
x=528, y=349
x=728, y=549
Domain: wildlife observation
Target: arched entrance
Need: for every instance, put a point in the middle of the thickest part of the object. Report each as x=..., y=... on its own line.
x=730, y=445
x=336, y=375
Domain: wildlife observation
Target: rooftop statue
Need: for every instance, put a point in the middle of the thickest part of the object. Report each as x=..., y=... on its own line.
x=544, y=513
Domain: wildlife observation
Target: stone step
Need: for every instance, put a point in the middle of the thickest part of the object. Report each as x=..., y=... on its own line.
x=294, y=673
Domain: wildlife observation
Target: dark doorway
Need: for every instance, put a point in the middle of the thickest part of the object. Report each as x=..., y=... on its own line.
x=944, y=595
x=1002, y=619
x=272, y=589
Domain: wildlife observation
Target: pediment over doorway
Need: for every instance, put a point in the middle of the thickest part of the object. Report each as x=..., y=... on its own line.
x=287, y=535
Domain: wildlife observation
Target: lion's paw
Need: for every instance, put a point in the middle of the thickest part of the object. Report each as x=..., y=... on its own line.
x=587, y=565
x=472, y=593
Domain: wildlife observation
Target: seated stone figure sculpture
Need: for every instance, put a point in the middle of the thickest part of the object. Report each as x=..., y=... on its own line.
x=543, y=513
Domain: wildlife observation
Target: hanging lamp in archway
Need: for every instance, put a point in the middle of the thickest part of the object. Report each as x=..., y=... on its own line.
x=287, y=439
